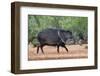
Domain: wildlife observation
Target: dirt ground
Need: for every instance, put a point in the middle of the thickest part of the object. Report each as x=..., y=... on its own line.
x=50, y=52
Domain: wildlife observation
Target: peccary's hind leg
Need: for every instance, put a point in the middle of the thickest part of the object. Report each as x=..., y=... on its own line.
x=38, y=49
x=42, y=48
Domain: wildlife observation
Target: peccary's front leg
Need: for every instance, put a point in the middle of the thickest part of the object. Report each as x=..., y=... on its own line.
x=58, y=48
x=65, y=48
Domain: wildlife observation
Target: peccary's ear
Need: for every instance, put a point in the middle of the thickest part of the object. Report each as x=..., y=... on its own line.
x=69, y=32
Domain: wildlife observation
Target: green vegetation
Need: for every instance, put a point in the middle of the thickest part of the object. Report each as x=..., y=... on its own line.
x=36, y=23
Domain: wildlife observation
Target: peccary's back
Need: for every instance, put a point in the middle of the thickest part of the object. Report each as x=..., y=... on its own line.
x=49, y=36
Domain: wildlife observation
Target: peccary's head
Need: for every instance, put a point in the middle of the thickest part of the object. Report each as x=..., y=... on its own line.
x=67, y=37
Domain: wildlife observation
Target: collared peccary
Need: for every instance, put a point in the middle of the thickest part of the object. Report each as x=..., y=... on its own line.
x=82, y=39
x=54, y=37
